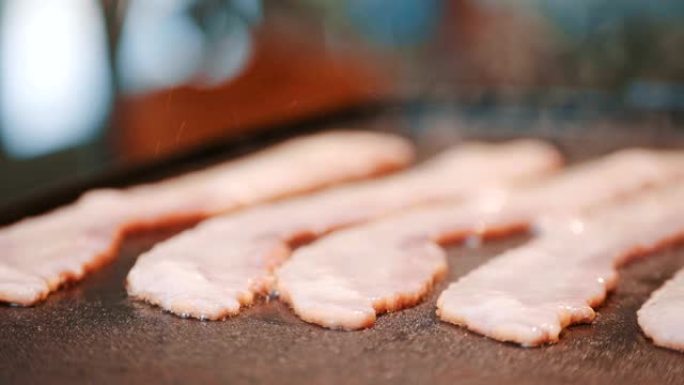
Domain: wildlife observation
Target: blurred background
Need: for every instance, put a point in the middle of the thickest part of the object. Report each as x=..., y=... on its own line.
x=88, y=85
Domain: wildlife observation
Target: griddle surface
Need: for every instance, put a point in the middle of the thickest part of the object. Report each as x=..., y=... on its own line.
x=91, y=333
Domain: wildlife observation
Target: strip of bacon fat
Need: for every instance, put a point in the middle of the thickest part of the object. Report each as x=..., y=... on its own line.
x=38, y=254
x=211, y=271
x=528, y=295
x=662, y=316
x=346, y=279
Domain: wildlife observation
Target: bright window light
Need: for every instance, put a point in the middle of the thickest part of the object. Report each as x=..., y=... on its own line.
x=55, y=88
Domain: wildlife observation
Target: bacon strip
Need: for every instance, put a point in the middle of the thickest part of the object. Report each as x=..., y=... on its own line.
x=662, y=316
x=211, y=271
x=39, y=254
x=528, y=295
x=346, y=279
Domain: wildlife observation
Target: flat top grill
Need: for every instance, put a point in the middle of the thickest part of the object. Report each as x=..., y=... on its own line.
x=92, y=333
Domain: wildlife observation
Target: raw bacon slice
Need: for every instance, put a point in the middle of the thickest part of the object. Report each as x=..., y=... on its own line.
x=662, y=316
x=38, y=254
x=346, y=279
x=528, y=295
x=211, y=271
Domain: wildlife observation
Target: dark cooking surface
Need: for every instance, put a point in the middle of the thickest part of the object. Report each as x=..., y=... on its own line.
x=92, y=333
